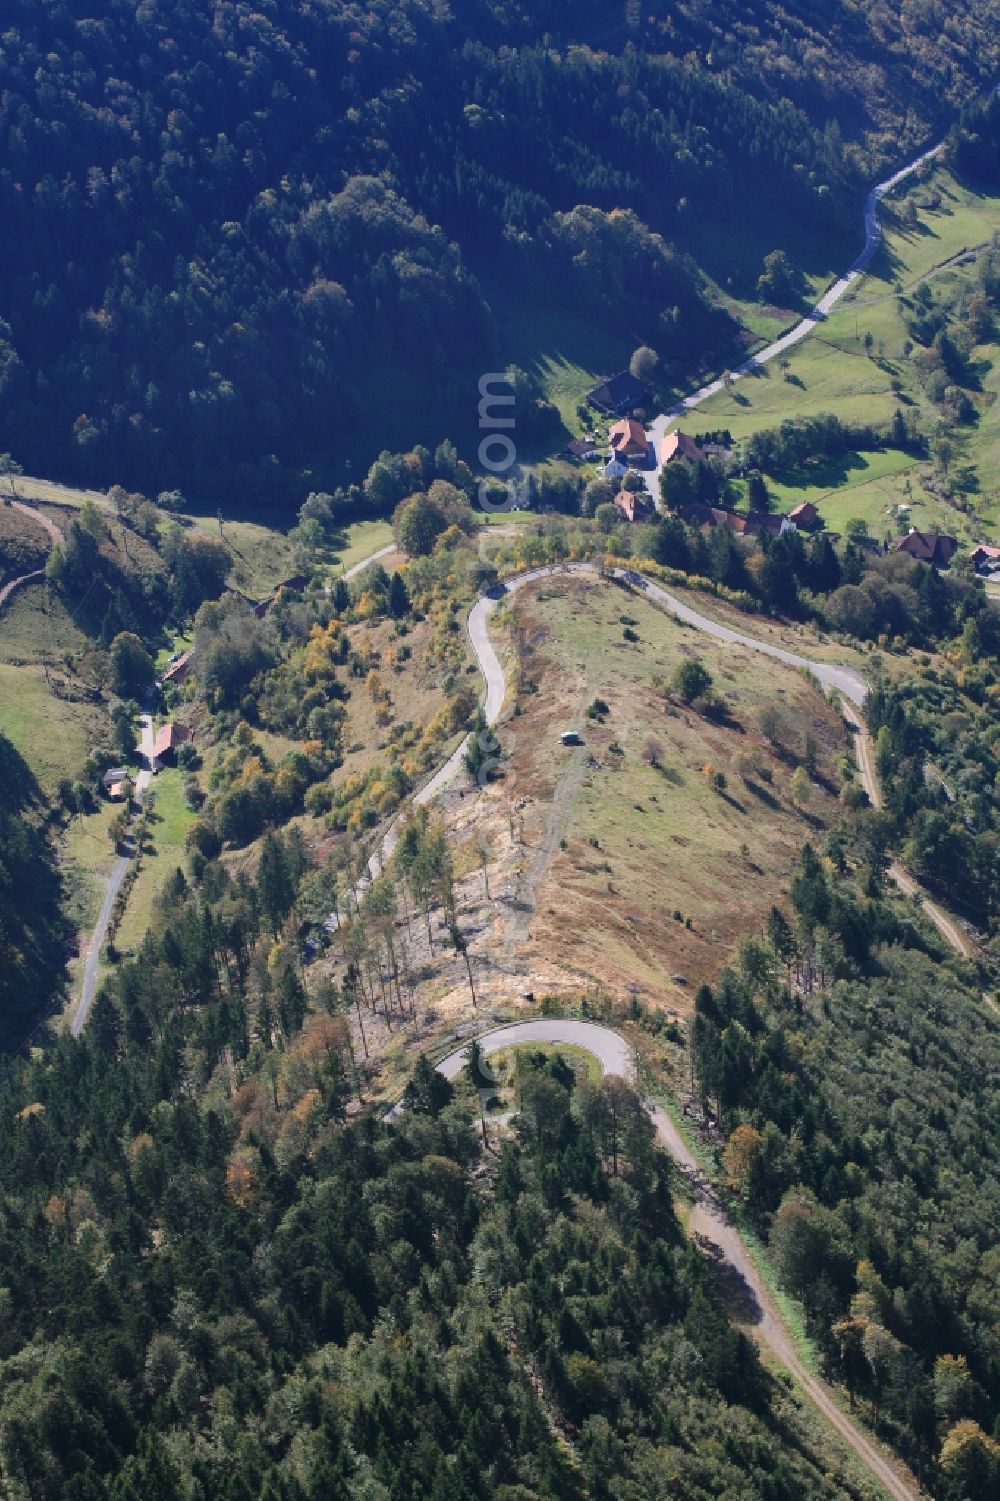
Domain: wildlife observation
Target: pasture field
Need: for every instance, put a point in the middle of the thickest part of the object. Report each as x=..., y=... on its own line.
x=927, y=227
x=625, y=864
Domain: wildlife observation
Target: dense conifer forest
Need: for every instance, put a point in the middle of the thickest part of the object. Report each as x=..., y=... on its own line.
x=227, y=231
x=242, y=1294
x=33, y=934
x=860, y=1108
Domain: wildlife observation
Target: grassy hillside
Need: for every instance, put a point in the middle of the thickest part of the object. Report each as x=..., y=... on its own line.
x=49, y=705
x=931, y=230
x=594, y=849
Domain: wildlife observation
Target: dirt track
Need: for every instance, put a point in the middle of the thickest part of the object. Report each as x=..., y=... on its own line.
x=55, y=535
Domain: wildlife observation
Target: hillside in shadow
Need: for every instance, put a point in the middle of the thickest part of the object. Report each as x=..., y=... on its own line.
x=32, y=925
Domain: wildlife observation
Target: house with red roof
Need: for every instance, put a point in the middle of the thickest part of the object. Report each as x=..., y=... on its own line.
x=805, y=516
x=178, y=669
x=985, y=557
x=628, y=442
x=678, y=445
x=168, y=738
x=633, y=505
x=753, y=524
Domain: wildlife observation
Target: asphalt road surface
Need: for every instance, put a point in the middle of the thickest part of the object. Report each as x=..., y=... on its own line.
x=804, y=327
x=710, y=1226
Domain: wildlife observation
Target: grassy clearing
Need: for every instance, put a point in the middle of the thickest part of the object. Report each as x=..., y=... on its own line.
x=630, y=843
x=261, y=554
x=169, y=821
x=507, y=518
x=37, y=627
x=361, y=539
x=53, y=735
x=51, y=491
x=45, y=709
x=415, y=690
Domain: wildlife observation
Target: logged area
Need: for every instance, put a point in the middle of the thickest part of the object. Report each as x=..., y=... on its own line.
x=635, y=857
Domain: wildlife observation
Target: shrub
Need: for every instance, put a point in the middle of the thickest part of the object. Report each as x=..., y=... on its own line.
x=690, y=680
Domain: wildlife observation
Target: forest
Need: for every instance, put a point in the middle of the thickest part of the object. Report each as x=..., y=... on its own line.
x=855, y=1075
x=34, y=936
x=278, y=214
x=247, y=1291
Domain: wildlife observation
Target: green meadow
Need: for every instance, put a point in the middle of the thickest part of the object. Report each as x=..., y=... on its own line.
x=832, y=370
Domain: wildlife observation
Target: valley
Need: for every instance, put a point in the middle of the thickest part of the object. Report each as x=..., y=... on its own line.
x=499, y=1001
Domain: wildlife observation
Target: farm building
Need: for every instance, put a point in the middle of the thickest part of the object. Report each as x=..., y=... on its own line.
x=619, y=394
x=985, y=558
x=805, y=516
x=629, y=442
x=679, y=446
x=114, y=780
x=168, y=738
x=936, y=548
x=581, y=449
x=753, y=524
x=177, y=670
x=633, y=506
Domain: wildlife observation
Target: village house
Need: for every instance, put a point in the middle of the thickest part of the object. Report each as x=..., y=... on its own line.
x=581, y=450
x=756, y=523
x=936, y=548
x=629, y=443
x=615, y=468
x=752, y=524
x=177, y=670
x=678, y=445
x=168, y=738
x=114, y=780
x=805, y=516
x=633, y=505
x=985, y=558
x=619, y=394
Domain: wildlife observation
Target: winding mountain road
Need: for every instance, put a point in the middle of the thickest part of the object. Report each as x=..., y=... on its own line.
x=805, y=326
x=709, y=1224
x=850, y=685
